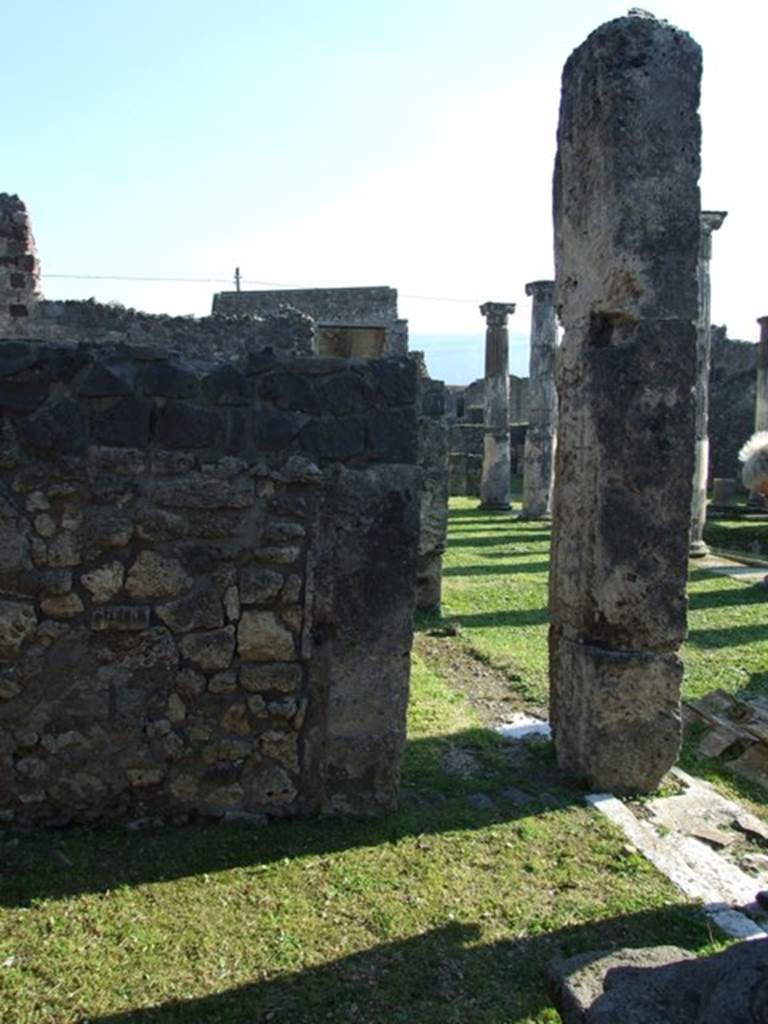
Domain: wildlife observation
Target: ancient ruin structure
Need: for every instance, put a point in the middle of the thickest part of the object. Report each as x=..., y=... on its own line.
x=348, y=321
x=711, y=220
x=626, y=209
x=18, y=261
x=208, y=563
x=495, y=483
x=761, y=398
x=538, y=465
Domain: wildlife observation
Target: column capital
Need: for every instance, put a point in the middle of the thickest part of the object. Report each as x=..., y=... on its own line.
x=496, y=313
x=762, y=320
x=541, y=290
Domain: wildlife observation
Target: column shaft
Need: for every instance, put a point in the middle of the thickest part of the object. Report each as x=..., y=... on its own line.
x=538, y=462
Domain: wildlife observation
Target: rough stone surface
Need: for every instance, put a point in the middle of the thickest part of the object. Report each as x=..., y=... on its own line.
x=663, y=985
x=195, y=617
x=627, y=232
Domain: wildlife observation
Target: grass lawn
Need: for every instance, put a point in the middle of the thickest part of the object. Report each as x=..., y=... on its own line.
x=446, y=911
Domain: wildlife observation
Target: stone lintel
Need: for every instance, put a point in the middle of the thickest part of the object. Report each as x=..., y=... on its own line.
x=496, y=313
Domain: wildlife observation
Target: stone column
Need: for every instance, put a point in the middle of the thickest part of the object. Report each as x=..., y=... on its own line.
x=495, y=484
x=19, y=270
x=538, y=463
x=710, y=221
x=761, y=404
x=626, y=209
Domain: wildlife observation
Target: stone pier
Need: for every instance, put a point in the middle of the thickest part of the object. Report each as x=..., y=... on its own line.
x=626, y=210
x=761, y=403
x=710, y=221
x=19, y=270
x=495, y=483
x=541, y=434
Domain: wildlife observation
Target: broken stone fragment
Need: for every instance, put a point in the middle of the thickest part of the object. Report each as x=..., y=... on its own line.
x=260, y=637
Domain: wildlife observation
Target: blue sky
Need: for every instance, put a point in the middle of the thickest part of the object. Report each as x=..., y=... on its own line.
x=340, y=143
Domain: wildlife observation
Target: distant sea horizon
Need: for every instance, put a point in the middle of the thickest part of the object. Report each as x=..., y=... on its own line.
x=460, y=358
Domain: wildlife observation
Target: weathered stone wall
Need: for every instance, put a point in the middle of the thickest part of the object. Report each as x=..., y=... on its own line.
x=287, y=332
x=732, y=389
x=19, y=269
x=328, y=307
x=206, y=582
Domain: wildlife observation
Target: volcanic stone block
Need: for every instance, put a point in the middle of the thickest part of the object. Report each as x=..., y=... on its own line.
x=626, y=207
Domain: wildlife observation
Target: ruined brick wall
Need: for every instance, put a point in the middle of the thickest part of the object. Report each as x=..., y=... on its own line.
x=341, y=307
x=229, y=337
x=206, y=583
x=19, y=269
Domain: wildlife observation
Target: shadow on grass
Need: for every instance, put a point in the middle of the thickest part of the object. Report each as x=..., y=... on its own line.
x=54, y=863
x=726, y=598
x=728, y=636
x=512, y=617
x=495, y=570
x=442, y=976
x=495, y=540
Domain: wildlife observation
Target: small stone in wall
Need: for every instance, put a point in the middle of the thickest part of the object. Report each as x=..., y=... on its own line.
x=177, y=710
x=184, y=787
x=235, y=719
x=201, y=610
x=223, y=682
x=257, y=705
x=37, y=502
x=64, y=551
x=285, y=555
x=122, y=618
x=154, y=575
x=282, y=676
x=45, y=525
x=104, y=582
x=17, y=623
x=232, y=603
x=260, y=637
x=62, y=606
x=212, y=650
x=140, y=777
x=153, y=648
x=224, y=796
x=190, y=683
x=270, y=785
x=173, y=745
x=281, y=747
x=259, y=586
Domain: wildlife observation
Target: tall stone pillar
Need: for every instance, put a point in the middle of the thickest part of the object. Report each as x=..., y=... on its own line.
x=19, y=270
x=626, y=210
x=538, y=461
x=496, y=481
x=761, y=404
x=710, y=221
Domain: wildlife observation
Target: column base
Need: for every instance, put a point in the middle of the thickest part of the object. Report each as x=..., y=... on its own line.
x=543, y=517
x=494, y=506
x=698, y=549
